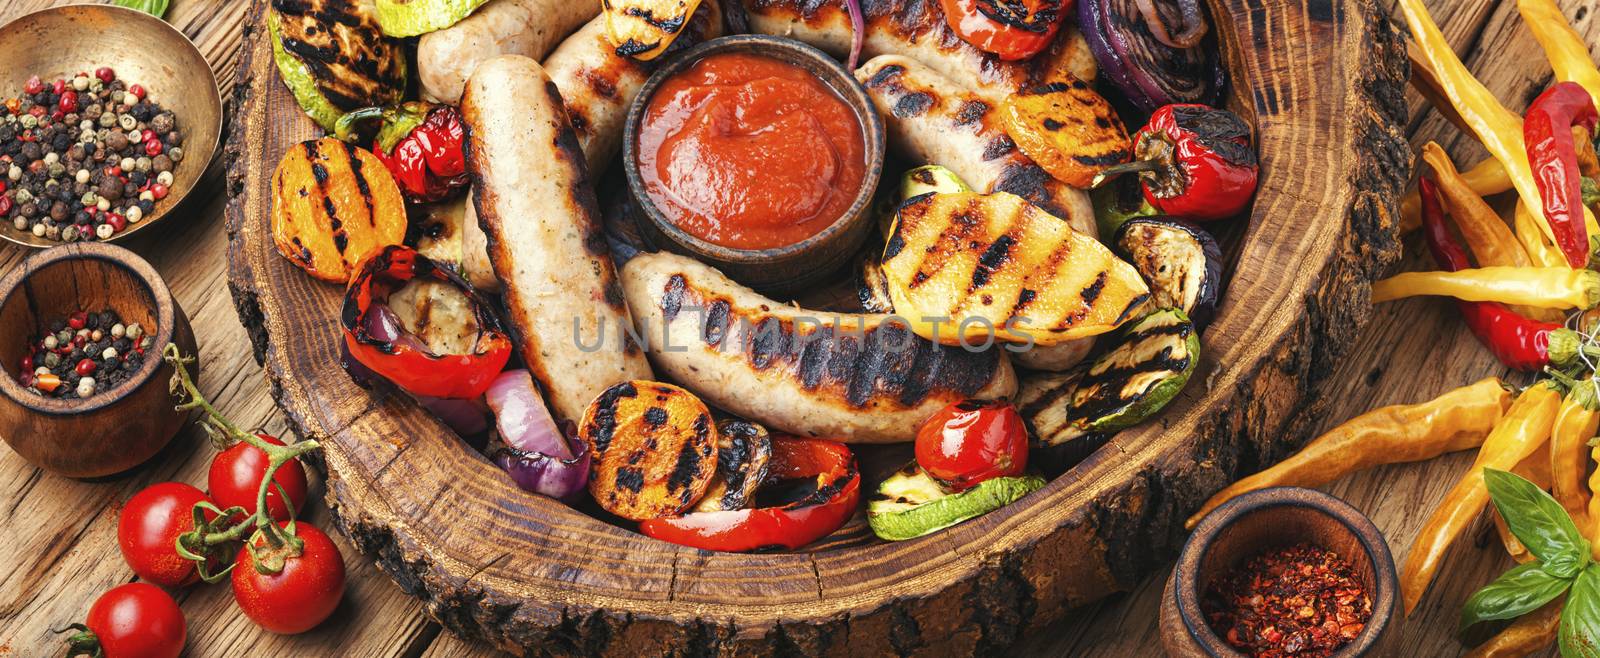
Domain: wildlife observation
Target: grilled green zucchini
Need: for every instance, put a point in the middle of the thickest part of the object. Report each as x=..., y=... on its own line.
x=1149, y=366
x=911, y=504
x=409, y=18
x=333, y=58
x=1056, y=443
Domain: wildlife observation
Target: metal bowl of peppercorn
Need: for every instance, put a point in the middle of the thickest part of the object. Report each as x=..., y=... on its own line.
x=83, y=388
x=1282, y=571
x=108, y=119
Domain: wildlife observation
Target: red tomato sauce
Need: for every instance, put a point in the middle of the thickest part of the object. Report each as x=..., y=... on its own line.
x=750, y=152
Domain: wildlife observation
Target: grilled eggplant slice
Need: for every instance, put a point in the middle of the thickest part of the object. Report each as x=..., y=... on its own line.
x=743, y=451
x=654, y=449
x=965, y=267
x=910, y=504
x=333, y=57
x=1180, y=262
x=643, y=29
x=1149, y=366
x=1056, y=442
x=409, y=18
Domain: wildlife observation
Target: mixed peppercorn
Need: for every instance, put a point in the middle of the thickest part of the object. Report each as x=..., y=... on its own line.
x=83, y=158
x=1297, y=601
x=83, y=353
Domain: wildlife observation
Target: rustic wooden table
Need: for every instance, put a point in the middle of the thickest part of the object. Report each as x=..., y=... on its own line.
x=62, y=533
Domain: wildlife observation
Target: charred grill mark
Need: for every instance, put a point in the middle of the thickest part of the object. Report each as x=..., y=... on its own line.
x=361, y=185
x=914, y=104
x=605, y=416
x=1029, y=181
x=971, y=111
x=633, y=47
x=319, y=172
x=992, y=259
x=1103, y=160
x=687, y=468
x=998, y=147
x=655, y=416
x=717, y=318
x=672, y=297
x=1024, y=298
x=769, y=342
x=630, y=478
x=885, y=75
x=1092, y=291
x=599, y=83
x=669, y=25
x=1052, y=125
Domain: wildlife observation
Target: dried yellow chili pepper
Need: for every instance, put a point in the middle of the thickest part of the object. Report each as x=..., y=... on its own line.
x=1530, y=633
x=1568, y=54
x=1492, y=243
x=1536, y=469
x=1457, y=420
x=1541, y=287
x=1489, y=177
x=1539, y=249
x=1576, y=423
x=1520, y=433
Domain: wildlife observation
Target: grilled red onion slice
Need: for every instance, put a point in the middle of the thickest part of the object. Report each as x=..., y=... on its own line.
x=541, y=459
x=1137, y=54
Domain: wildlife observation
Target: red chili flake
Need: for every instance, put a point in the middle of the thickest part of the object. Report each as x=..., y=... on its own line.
x=1301, y=601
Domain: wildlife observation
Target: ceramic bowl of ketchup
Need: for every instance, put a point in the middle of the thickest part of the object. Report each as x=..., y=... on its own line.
x=758, y=155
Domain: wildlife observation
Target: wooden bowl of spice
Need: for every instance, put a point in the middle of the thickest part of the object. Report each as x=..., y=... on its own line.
x=83, y=388
x=1288, y=570
x=109, y=118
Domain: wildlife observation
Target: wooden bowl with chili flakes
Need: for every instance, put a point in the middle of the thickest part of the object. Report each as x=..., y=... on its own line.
x=59, y=42
x=113, y=429
x=1268, y=521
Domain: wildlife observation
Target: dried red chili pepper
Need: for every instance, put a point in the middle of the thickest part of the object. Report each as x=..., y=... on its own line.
x=1301, y=601
x=1194, y=162
x=1520, y=343
x=1547, y=131
x=420, y=143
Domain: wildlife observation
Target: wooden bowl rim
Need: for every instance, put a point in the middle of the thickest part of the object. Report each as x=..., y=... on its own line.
x=106, y=255
x=785, y=49
x=1375, y=550
x=138, y=20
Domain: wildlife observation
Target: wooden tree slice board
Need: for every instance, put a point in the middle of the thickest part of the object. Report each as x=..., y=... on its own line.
x=1323, y=82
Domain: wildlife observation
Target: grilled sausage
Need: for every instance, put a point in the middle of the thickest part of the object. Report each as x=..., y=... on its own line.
x=856, y=378
x=932, y=120
x=597, y=84
x=917, y=29
x=537, y=209
x=531, y=28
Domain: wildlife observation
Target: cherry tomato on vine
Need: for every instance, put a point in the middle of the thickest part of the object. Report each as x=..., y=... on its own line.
x=236, y=474
x=301, y=596
x=148, y=529
x=136, y=620
x=971, y=441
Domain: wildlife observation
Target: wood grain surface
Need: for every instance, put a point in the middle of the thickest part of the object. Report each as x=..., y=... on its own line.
x=63, y=532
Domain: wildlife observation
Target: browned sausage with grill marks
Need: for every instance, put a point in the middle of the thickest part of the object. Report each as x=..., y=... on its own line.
x=852, y=377
x=531, y=28
x=534, y=202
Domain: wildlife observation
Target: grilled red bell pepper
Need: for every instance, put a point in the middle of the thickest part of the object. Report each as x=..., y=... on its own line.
x=1547, y=131
x=375, y=338
x=787, y=527
x=1519, y=342
x=420, y=143
x=1194, y=161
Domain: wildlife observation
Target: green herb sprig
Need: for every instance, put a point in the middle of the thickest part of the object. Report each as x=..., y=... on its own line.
x=1562, y=564
x=157, y=8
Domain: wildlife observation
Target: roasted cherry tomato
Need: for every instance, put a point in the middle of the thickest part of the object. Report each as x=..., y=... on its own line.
x=235, y=478
x=1011, y=29
x=374, y=337
x=300, y=596
x=836, y=493
x=971, y=441
x=136, y=620
x=148, y=529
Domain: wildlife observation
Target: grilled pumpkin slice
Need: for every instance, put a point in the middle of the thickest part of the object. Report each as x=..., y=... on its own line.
x=332, y=204
x=964, y=267
x=333, y=57
x=1068, y=129
x=654, y=449
x=409, y=18
x=643, y=29
x=743, y=451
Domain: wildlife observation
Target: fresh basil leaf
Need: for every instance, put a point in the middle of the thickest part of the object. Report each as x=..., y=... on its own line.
x=157, y=8
x=1580, y=617
x=1539, y=522
x=1518, y=591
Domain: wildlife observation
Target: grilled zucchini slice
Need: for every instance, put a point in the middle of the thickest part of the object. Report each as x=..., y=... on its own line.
x=1149, y=366
x=333, y=57
x=964, y=267
x=1056, y=443
x=409, y=18
x=643, y=29
x=911, y=504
